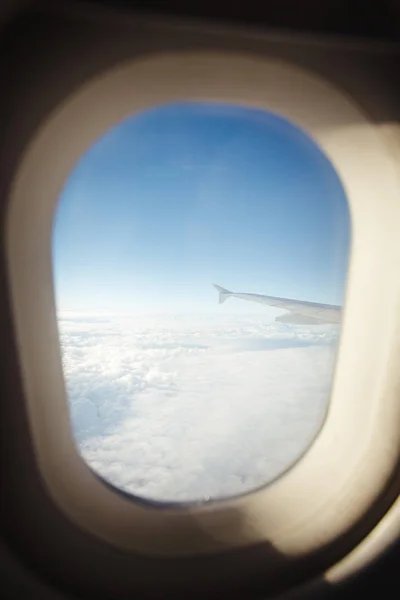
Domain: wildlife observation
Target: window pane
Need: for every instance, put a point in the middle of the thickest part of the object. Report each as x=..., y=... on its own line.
x=179, y=391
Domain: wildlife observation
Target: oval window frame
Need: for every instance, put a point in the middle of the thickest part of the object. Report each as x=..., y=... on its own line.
x=342, y=474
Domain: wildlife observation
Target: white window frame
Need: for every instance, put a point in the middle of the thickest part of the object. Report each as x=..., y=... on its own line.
x=348, y=466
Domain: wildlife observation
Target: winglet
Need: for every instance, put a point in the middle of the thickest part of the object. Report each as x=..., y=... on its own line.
x=223, y=293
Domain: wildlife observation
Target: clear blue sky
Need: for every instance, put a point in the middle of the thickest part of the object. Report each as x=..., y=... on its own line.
x=182, y=196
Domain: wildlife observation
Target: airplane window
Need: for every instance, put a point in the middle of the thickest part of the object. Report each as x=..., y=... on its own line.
x=200, y=256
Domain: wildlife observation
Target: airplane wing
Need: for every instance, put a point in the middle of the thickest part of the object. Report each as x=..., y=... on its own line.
x=300, y=311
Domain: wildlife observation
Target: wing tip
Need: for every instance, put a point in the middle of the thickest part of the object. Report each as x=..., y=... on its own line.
x=224, y=294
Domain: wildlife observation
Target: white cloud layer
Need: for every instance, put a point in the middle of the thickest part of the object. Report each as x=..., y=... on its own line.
x=181, y=408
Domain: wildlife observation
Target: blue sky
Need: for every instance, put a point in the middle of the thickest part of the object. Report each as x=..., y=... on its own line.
x=181, y=196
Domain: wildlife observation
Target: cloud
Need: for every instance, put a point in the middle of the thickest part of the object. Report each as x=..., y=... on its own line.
x=188, y=407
